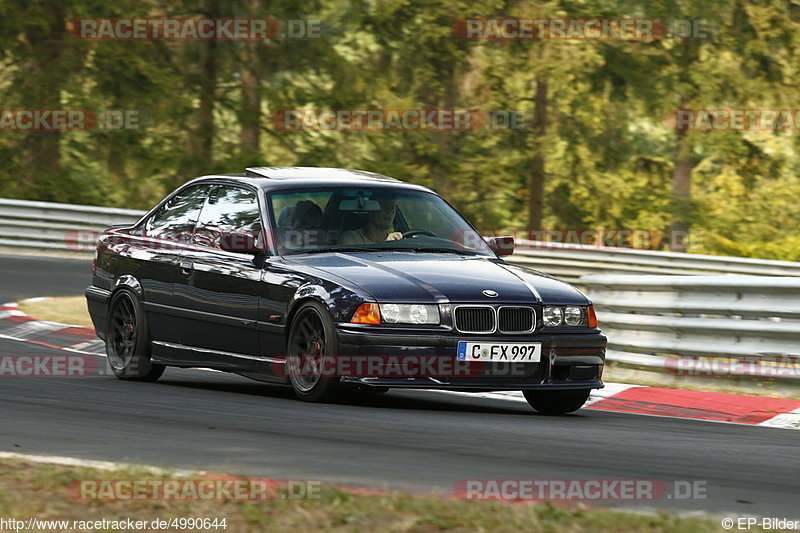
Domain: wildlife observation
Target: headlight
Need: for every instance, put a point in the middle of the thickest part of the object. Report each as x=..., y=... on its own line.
x=390, y=313
x=573, y=316
x=410, y=313
x=552, y=316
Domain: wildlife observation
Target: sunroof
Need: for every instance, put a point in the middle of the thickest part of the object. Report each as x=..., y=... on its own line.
x=288, y=173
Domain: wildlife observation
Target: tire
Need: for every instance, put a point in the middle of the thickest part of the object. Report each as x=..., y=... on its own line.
x=557, y=402
x=312, y=340
x=128, y=339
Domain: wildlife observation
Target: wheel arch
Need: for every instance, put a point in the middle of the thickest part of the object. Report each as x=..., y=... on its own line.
x=129, y=282
x=340, y=302
x=296, y=304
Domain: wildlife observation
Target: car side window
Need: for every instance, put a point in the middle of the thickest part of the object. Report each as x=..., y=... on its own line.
x=300, y=218
x=175, y=219
x=228, y=208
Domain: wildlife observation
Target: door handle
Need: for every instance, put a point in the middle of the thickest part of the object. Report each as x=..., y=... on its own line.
x=186, y=266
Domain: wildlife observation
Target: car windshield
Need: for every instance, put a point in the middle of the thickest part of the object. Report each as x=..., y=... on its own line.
x=331, y=219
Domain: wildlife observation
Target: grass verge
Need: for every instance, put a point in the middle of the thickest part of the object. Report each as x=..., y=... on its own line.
x=63, y=309
x=35, y=490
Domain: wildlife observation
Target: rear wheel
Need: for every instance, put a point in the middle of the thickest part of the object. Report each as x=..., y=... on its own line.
x=312, y=343
x=557, y=402
x=128, y=340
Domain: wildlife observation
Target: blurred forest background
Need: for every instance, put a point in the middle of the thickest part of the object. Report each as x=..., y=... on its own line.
x=595, y=152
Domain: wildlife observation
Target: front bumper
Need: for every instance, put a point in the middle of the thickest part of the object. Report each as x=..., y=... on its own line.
x=569, y=361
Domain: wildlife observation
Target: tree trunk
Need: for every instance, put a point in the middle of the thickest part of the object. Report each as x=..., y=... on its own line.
x=205, y=114
x=250, y=117
x=441, y=163
x=681, y=194
x=682, y=173
x=201, y=144
x=536, y=196
x=198, y=141
x=42, y=85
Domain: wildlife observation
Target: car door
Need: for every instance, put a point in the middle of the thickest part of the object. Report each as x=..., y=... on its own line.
x=219, y=296
x=153, y=258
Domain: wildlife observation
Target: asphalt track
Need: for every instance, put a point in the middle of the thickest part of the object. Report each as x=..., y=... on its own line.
x=403, y=440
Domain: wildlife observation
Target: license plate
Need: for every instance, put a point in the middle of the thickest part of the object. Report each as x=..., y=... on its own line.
x=525, y=352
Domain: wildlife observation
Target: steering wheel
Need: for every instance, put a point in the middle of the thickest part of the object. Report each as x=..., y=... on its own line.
x=415, y=232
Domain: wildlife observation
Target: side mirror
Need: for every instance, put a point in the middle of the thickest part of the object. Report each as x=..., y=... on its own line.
x=239, y=242
x=501, y=245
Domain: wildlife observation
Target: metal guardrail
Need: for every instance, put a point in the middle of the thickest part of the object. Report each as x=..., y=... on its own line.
x=47, y=226
x=649, y=320
x=571, y=262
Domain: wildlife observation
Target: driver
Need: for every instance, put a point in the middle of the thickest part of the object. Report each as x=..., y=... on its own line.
x=378, y=228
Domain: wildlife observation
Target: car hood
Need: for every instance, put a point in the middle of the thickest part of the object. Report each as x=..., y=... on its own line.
x=427, y=277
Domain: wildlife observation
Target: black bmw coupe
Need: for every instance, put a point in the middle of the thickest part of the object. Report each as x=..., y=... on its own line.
x=329, y=279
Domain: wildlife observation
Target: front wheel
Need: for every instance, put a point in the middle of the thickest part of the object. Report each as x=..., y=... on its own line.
x=128, y=340
x=312, y=343
x=556, y=402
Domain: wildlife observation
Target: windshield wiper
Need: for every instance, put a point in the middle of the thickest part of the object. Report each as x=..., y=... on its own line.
x=442, y=251
x=336, y=249
x=346, y=249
